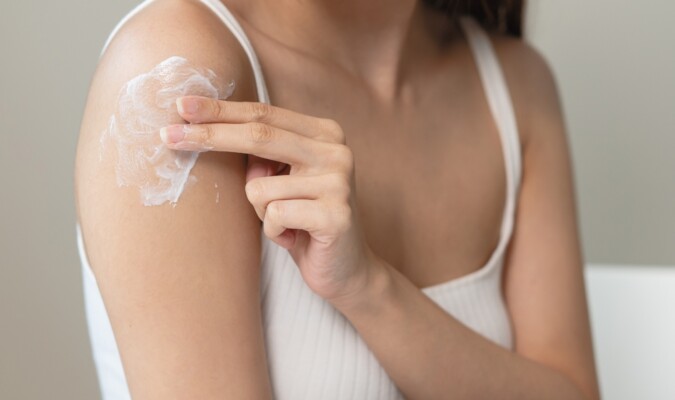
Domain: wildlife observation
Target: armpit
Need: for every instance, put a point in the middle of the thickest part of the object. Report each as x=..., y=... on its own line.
x=145, y=104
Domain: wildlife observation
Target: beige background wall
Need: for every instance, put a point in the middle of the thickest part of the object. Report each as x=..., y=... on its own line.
x=614, y=65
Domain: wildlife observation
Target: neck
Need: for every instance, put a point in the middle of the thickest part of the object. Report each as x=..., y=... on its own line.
x=375, y=41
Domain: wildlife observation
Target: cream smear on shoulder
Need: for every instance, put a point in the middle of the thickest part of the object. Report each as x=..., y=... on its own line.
x=145, y=104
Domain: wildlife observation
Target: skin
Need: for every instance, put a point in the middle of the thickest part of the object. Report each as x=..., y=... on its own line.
x=413, y=117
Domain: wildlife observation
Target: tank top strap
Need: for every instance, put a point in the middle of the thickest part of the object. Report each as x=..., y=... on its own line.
x=219, y=8
x=222, y=12
x=497, y=93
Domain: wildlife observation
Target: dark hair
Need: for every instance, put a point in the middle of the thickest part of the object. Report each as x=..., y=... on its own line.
x=504, y=16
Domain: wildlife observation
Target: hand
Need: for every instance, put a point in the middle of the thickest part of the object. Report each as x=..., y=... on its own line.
x=311, y=210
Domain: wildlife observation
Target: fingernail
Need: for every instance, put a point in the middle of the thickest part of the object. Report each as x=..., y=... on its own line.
x=187, y=105
x=172, y=134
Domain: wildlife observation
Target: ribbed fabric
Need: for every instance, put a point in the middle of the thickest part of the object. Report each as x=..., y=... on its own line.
x=313, y=350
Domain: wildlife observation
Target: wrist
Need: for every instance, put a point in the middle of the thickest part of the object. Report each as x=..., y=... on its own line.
x=373, y=293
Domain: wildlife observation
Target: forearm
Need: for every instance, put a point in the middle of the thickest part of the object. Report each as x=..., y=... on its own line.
x=431, y=355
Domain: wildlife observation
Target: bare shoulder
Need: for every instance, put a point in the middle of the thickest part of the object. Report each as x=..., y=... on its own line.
x=168, y=37
x=167, y=28
x=532, y=85
x=175, y=39
x=170, y=236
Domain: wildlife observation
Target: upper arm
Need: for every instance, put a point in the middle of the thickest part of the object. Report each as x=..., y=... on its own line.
x=544, y=282
x=180, y=283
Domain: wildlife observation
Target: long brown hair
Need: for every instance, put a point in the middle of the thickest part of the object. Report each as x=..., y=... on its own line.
x=504, y=16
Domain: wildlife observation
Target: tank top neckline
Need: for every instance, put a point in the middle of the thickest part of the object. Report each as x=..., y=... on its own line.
x=500, y=106
x=301, y=330
x=499, y=102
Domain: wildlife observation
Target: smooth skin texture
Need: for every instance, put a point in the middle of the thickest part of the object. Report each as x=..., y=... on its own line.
x=308, y=211
x=387, y=309
x=180, y=284
x=406, y=108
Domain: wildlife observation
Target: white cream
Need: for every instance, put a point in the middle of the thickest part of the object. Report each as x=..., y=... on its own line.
x=147, y=103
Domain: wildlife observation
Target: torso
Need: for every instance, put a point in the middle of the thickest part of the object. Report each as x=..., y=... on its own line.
x=430, y=187
x=430, y=175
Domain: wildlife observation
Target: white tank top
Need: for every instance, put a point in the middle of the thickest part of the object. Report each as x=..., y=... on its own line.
x=313, y=350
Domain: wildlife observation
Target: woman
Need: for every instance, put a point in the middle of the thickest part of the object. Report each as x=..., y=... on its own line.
x=412, y=179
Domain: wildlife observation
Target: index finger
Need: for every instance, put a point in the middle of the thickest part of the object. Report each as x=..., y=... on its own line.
x=198, y=109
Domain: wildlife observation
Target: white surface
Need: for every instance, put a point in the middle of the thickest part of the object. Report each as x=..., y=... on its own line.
x=634, y=330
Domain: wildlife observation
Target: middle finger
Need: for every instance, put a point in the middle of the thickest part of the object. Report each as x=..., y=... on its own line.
x=254, y=138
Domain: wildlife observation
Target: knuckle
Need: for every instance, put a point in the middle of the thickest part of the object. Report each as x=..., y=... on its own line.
x=217, y=108
x=260, y=133
x=260, y=212
x=206, y=134
x=254, y=190
x=267, y=227
x=260, y=111
x=344, y=158
x=275, y=209
x=345, y=190
x=340, y=187
x=342, y=217
x=334, y=130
